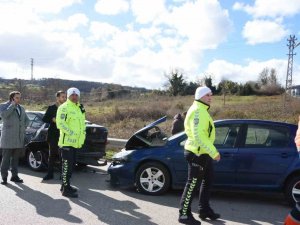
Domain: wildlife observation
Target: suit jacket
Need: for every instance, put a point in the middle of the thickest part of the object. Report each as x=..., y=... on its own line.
x=53, y=132
x=13, y=127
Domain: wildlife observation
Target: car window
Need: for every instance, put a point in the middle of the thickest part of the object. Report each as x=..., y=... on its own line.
x=262, y=136
x=35, y=121
x=226, y=136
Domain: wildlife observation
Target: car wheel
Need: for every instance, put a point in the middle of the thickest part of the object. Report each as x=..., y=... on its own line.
x=292, y=190
x=35, y=160
x=152, y=178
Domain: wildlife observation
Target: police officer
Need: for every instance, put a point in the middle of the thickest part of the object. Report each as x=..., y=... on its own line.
x=70, y=120
x=199, y=153
x=53, y=132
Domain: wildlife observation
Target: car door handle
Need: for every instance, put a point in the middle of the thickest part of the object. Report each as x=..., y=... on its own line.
x=284, y=155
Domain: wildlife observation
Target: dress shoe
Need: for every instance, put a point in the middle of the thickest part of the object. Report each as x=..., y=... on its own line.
x=16, y=179
x=4, y=181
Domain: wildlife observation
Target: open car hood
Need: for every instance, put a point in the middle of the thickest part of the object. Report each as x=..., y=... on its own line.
x=149, y=136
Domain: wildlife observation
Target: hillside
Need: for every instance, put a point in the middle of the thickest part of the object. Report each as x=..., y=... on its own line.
x=44, y=89
x=123, y=117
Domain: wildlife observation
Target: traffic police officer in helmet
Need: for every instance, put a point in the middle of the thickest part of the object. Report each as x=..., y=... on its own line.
x=199, y=154
x=70, y=120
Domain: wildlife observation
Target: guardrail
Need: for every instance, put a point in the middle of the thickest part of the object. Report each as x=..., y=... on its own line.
x=116, y=142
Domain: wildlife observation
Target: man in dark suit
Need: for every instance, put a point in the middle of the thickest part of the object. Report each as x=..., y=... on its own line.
x=53, y=132
x=15, y=121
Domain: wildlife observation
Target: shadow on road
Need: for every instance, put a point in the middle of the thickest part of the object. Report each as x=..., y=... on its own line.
x=95, y=195
x=108, y=210
x=239, y=207
x=44, y=204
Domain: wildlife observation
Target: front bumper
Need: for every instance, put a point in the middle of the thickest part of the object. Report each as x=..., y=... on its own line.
x=90, y=158
x=121, y=174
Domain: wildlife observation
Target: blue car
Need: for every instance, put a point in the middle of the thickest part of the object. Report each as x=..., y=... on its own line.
x=255, y=155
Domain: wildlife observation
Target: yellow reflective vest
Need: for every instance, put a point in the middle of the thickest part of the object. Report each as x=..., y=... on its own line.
x=200, y=129
x=70, y=120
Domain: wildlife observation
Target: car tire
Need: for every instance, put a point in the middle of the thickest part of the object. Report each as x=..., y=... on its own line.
x=35, y=160
x=152, y=178
x=292, y=190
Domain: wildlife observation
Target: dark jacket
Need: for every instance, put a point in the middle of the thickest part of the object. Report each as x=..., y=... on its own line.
x=14, y=125
x=178, y=124
x=53, y=132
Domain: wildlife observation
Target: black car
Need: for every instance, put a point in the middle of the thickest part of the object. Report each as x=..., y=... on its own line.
x=37, y=151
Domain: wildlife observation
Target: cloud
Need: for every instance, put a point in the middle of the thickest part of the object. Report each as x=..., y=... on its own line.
x=111, y=7
x=159, y=37
x=21, y=48
x=147, y=11
x=37, y=6
x=270, y=8
x=263, y=31
x=23, y=18
x=72, y=23
x=204, y=23
x=222, y=69
x=102, y=31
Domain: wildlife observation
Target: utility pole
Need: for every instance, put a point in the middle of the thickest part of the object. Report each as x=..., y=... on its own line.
x=31, y=68
x=289, y=74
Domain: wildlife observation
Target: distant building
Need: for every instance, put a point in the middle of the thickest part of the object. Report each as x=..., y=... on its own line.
x=294, y=91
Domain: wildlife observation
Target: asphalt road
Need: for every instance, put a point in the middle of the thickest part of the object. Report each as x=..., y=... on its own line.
x=36, y=202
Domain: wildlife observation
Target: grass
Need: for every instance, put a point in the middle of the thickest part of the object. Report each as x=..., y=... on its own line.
x=123, y=117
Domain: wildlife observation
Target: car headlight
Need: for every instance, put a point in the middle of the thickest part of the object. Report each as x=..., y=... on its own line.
x=122, y=156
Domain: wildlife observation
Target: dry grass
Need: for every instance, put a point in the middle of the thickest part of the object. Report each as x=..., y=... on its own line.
x=125, y=116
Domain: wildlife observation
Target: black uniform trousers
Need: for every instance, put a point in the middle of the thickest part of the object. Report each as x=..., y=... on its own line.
x=200, y=172
x=53, y=155
x=68, y=155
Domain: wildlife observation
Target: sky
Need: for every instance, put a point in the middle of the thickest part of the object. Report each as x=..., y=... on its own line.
x=138, y=42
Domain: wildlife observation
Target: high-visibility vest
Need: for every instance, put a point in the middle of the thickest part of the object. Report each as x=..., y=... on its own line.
x=70, y=120
x=200, y=129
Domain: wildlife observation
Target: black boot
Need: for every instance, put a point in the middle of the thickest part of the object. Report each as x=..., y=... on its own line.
x=16, y=179
x=188, y=219
x=67, y=192
x=49, y=176
x=4, y=181
x=209, y=214
x=71, y=188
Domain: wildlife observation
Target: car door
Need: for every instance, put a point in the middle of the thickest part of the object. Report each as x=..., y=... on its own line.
x=178, y=162
x=227, y=141
x=265, y=155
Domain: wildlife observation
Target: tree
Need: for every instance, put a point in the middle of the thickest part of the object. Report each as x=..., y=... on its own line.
x=263, y=76
x=268, y=81
x=176, y=83
x=272, y=79
x=208, y=83
x=190, y=88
